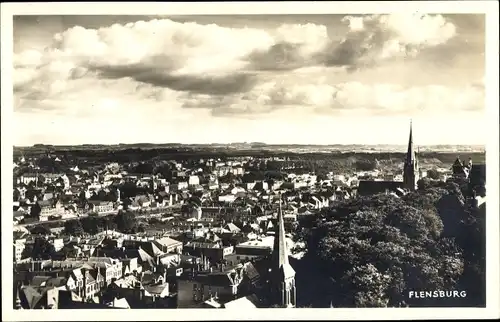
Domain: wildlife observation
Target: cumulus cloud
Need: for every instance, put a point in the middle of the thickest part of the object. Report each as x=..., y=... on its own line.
x=349, y=98
x=221, y=69
x=164, y=53
x=213, y=59
x=373, y=39
x=369, y=40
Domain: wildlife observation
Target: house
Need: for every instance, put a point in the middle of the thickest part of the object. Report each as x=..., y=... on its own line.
x=38, y=297
x=214, y=251
x=49, y=209
x=141, y=201
x=27, y=178
x=221, y=283
x=58, y=243
x=19, y=246
x=51, y=177
x=169, y=245
x=193, y=181
x=232, y=228
x=253, y=249
x=18, y=217
x=130, y=265
x=110, y=268
x=98, y=206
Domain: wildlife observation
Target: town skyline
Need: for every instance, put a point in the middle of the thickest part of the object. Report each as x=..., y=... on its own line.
x=301, y=79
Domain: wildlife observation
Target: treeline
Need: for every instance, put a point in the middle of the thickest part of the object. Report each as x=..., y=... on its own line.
x=373, y=251
x=124, y=221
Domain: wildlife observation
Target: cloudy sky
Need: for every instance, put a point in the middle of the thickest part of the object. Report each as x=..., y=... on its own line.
x=317, y=79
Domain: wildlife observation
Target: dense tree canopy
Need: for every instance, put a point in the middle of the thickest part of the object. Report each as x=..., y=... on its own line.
x=40, y=249
x=433, y=174
x=377, y=249
x=366, y=165
x=126, y=222
x=73, y=228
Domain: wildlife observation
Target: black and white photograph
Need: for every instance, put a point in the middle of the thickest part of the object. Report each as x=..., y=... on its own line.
x=249, y=161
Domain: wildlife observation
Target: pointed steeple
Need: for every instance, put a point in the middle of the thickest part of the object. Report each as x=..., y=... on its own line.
x=283, y=273
x=410, y=154
x=280, y=248
x=411, y=171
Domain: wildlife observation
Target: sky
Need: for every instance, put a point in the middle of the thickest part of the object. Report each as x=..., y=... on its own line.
x=290, y=79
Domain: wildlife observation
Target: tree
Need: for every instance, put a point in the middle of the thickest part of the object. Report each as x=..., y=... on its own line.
x=378, y=248
x=35, y=210
x=366, y=165
x=423, y=184
x=92, y=224
x=41, y=249
x=68, y=251
x=433, y=174
x=40, y=230
x=73, y=228
x=126, y=222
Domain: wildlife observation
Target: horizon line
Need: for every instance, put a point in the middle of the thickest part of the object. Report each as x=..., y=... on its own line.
x=250, y=143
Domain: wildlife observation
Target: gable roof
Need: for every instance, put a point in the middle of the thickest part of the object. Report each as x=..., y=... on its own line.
x=30, y=296
x=37, y=281
x=232, y=228
x=367, y=187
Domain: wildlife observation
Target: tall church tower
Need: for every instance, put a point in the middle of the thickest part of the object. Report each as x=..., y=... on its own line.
x=410, y=169
x=283, y=275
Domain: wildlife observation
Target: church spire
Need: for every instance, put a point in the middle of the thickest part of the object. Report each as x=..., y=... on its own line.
x=280, y=248
x=284, y=274
x=410, y=172
x=410, y=154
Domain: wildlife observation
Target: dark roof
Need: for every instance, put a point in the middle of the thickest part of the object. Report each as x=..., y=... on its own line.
x=19, y=214
x=215, y=279
x=99, y=202
x=56, y=281
x=39, y=280
x=477, y=174
x=367, y=187
x=251, y=272
x=30, y=296
x=44, y=203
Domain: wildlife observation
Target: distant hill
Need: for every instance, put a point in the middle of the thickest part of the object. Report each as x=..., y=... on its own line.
x=294, y=148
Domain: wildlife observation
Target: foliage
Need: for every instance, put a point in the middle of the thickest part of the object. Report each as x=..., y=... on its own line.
x=366, y=165
x=433, y=174
x=35, y=210
x=40, y=249
x=40, y=230
x=126, y=222
x=73, y=228
x=378, y=248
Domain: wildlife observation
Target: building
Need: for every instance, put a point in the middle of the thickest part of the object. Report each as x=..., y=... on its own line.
x=27, y=178
x=110, y=268
x=169, y=245
x=194, y=181
x=98, y=206
x=48, y=209
x=19, y=246
x=410, y=176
